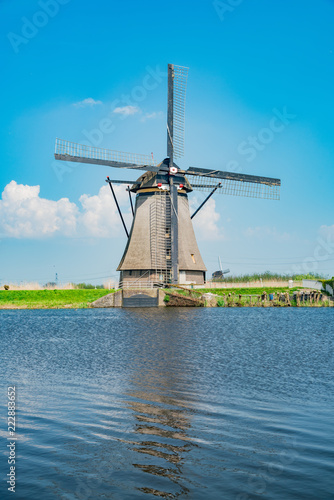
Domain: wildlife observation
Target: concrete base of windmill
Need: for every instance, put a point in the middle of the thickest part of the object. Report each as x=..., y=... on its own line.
x=111, y=300
x=132, y=298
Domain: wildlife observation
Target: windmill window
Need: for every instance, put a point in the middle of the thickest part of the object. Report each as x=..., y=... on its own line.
x=193, y=258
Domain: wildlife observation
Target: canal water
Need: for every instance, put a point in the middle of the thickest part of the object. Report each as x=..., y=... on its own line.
x=170, y=403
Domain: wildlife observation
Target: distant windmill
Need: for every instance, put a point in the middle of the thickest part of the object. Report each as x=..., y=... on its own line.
x=220, y=274
x=161, y=246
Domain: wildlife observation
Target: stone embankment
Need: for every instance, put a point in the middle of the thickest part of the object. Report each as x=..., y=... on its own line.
x=183, y=297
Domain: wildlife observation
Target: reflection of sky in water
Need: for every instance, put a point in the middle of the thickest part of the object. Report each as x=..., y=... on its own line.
x=189, y=403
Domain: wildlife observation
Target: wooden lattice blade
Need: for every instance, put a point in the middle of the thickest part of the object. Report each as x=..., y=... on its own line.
x=71, y=151
x=177, y=84
x=252, y=186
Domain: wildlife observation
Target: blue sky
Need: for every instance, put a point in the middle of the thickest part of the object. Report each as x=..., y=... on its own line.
x=68, y=64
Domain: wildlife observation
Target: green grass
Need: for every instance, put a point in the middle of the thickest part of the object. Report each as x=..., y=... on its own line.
x=48, y=299
x=179, y=291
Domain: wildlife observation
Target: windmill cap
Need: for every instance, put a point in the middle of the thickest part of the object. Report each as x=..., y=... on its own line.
x=160, y=180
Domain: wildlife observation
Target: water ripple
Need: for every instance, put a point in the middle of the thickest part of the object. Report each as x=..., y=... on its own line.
x=198, y=404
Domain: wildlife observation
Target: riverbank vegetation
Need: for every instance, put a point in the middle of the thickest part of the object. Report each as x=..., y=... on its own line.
x=267, y=276
x=251, y=297
x=49, y=299
x=222, y=297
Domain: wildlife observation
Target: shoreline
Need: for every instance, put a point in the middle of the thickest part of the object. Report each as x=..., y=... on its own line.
x=75, y=307
x=176, y=297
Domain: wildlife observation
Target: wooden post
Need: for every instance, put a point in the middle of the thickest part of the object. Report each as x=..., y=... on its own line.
x=298, y=299
x=263, y=298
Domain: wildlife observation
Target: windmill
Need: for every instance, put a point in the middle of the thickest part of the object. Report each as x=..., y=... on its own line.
x=161, y=246
x=220, y=274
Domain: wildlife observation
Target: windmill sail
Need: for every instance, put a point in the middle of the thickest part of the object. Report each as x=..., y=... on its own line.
x=252, y=186
x=71, y=151
x=177, y=84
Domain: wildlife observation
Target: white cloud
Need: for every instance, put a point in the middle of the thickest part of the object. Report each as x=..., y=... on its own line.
x=23, y=214
x=152, y=116
x=206, y=220
x=100, y=217
x=266, y=232
x=127, y=110
x=87, y=102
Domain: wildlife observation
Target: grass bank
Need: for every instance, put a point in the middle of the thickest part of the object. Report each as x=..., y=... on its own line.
x=49, y=299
